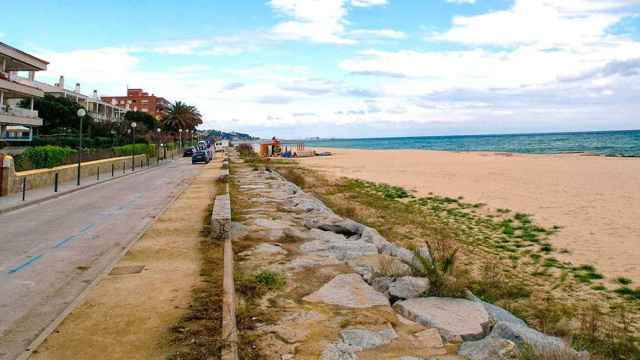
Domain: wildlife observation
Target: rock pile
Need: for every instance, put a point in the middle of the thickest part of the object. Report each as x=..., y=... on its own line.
x=470, y=328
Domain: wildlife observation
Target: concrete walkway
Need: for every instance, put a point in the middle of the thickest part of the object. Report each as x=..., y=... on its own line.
x=10, y=202
x=50, y=252
x=134, y=310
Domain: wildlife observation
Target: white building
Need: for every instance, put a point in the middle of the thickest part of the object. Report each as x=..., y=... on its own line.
x=99, y=110
x=16, y=123
x=104, y=111
x=222, y=143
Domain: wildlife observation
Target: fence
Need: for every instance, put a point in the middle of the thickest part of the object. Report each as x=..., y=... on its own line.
x=13, y=182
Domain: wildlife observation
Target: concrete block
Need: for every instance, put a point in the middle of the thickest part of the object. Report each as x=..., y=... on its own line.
x=221, y=218
x=223, y=176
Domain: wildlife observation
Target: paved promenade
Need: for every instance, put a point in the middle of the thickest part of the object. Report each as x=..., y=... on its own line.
x=50, y=252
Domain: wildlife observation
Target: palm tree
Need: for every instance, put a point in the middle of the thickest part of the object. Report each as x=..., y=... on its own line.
x=181, y=116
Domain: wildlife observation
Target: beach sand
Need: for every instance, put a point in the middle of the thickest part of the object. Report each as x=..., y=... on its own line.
x=595, y=199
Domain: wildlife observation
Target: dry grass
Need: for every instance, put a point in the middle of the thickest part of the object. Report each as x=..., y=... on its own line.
x=198, y=334
x=503, y=256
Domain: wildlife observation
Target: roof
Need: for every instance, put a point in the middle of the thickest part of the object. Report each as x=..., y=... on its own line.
x=22, y=56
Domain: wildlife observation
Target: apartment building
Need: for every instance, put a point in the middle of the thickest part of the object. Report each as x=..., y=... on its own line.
x=17, y=122
x=139, y=100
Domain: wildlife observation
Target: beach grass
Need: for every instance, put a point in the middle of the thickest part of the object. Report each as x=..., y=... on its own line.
x=506, y=258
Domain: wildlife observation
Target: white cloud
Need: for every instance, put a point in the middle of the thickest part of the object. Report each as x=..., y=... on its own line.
x=379, y=34
x=543, y=22
x=323, y=21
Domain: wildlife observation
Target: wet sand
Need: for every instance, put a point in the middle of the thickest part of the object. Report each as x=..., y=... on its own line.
x=595, y=199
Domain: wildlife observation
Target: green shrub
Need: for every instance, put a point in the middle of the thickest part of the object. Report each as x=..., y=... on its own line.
x=439, y=267
x=137, y=149
x=46, y=156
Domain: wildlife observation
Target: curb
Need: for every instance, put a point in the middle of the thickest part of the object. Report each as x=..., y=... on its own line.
x=82, y=187
x=79, y=300
x=221, y=225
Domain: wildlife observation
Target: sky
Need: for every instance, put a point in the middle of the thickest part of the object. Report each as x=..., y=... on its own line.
x=352, y=68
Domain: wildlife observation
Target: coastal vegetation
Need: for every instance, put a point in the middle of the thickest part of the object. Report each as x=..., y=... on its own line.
x=503, y=257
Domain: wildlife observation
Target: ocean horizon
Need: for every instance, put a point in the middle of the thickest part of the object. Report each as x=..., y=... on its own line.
x=608, y=143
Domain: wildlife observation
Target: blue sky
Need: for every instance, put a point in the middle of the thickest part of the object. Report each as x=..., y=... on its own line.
x=353, y=68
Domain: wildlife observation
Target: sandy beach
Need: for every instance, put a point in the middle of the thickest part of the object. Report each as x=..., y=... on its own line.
x=596, y=200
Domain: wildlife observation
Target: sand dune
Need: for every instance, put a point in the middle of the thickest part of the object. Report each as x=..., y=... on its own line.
x=595, y=199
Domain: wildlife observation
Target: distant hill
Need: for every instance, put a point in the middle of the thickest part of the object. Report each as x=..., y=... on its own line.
x=230, y=135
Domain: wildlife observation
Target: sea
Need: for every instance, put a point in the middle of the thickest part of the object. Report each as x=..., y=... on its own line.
x=607, y=143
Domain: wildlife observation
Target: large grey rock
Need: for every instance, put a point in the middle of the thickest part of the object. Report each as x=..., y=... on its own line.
x=489, y=348
x=452, y=317
x=496, y=313
x=269, y=249
x=344, y=227
x=313, y=260
x=537, y=341
x=337, y=245
x=408, y=287
x=339, y=351
x=363, y=339
x=348, y=290
x=326, y=236
x=382, y=283
x=272, y=224
x=307, y=204
x=373, y=236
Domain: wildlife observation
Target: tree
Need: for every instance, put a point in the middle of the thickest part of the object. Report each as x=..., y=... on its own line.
x=181, y=116
x=59, y=114
x=141, y=118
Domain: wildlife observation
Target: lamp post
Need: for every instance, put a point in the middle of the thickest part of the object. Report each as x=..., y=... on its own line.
x=180, y=131
x=158, y=146
x=81, y=114
x=133, y=148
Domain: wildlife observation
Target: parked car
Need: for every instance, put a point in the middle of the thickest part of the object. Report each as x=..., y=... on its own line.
x=200, y=156
x=188, y=152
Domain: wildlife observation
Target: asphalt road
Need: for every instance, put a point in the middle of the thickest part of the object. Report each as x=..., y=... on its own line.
x=51, y=252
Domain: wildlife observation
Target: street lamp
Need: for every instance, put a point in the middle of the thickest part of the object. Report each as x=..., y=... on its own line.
x=133, y=148
x=158, y=147
x=180, y=131
x=81, y=114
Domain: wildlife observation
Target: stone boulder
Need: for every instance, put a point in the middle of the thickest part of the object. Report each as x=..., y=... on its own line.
x=496, y=313
x=338, y=351
x=337, y=245
x=454, y=318
x=382, y=283
x=489, y=348
x=344, y=227
x=348, y=290
x=536, y=341
x=269, y=249
x=313, y=260
x=408, y=287
x=363, y=339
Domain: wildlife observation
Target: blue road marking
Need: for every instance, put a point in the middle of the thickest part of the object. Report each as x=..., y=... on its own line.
x=25, y=264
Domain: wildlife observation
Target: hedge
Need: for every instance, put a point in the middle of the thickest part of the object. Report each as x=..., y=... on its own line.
x=46, y=156
x=137, y=149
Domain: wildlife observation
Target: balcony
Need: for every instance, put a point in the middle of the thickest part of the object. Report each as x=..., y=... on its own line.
x=18, y=116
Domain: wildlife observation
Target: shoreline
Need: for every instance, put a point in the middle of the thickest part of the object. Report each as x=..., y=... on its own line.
x=505, y=153
x=593, y=198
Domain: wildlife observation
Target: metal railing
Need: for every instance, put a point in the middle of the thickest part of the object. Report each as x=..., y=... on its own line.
x=18, y=112
x=103, y=173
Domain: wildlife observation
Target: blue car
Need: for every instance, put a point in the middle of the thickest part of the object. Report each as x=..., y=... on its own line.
x=200, y=156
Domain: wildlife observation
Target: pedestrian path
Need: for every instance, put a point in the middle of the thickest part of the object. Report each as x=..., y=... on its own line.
x=31, y=196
